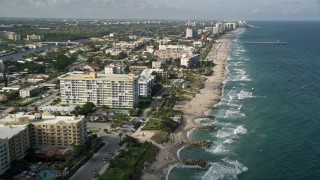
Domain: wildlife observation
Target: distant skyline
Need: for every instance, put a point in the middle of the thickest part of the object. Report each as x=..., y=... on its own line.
x=164, y=9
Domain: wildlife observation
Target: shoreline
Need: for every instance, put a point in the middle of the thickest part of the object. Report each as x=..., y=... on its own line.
x=193, y=109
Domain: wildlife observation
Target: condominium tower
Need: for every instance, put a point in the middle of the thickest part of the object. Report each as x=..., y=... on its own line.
x=113, y=90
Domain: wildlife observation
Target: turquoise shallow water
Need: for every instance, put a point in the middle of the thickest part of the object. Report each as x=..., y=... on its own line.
x=268, y=120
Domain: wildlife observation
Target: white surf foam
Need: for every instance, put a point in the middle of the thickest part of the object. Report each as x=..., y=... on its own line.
x=218, y=149
x=226, y=169
x=240, y=130
x=244, y=94
x=189, y=133
x=178, y=152
x=228, y=141
x=234, y=114
x=225, y=132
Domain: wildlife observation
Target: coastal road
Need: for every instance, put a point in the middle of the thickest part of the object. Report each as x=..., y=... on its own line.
x=86, y=171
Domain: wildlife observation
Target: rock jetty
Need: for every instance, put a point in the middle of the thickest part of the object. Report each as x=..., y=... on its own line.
x=209, y=128
x=209, y=117
x=204, y=144
x=195, y=162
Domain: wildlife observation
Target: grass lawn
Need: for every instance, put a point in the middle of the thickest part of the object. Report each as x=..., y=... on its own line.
x=26, y=101
x=153, y=124
x=129, y=163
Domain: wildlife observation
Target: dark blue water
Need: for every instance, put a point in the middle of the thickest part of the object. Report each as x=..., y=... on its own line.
x=19, y=55
x=268, y=122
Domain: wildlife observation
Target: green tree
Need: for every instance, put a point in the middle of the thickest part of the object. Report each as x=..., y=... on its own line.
x=5, y=79
x=12, y=95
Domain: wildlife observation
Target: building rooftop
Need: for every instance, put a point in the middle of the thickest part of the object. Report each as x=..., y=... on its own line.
x=10, y=118
x=95, y=76
x=9, y=131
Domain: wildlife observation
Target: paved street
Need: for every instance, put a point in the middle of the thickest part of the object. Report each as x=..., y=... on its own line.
x=86, y=171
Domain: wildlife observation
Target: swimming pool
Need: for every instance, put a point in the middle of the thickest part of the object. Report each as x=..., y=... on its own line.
x=46, y=174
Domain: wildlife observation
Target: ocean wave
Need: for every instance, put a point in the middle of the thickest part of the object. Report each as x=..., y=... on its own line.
x=189, y=133
x=225, y=132
x=226, y=169
x=204, y=121
x=178, y=152
x=240, y=130
x=228, y=141
x=218, y=149
x=244, y=94
x=178, y=165
x=234, y=114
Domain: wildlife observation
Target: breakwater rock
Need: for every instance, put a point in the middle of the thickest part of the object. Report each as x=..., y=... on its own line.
x=209, y=128
x=204, y=144
x=208, y=116
x=195, y=162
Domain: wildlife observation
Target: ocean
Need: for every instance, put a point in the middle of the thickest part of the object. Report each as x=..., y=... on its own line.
x=267, y=124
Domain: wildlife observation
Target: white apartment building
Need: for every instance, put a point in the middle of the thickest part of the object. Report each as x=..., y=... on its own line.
x=29, y=91
x=156, y=64
x=113, y=90
x=146, y=82
x=190, y=61
x=34, y=37
x=173, y=51
x=113, y=69
x=189, y=33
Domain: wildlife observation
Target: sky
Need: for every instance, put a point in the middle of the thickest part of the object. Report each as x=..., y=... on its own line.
x=164, y=9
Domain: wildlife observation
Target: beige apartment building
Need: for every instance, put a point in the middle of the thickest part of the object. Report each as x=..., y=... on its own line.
x=19, y=132
x=113, y=90
x=48, y=130
x=14, y=143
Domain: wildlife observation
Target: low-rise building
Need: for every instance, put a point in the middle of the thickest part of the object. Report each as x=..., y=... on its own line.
x=156, y=64
x=137, y=69
x=29, y=91
x=62, y=110
x=113, y=69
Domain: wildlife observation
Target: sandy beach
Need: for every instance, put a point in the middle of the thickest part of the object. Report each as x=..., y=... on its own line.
x=209, y=96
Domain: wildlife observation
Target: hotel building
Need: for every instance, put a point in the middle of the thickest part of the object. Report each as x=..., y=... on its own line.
x=49, y=130
x=14, y=142
x=113, y=90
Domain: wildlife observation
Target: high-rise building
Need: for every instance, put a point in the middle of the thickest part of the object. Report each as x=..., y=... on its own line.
x=113, y=90
x=190, y=61
x=1, y=66
x=173, y=51
x=146, y=82
x=34, y=37
x=189, y=33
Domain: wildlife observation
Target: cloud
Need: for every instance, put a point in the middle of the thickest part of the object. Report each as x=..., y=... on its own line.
x=254, y=11
x=293, y=2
